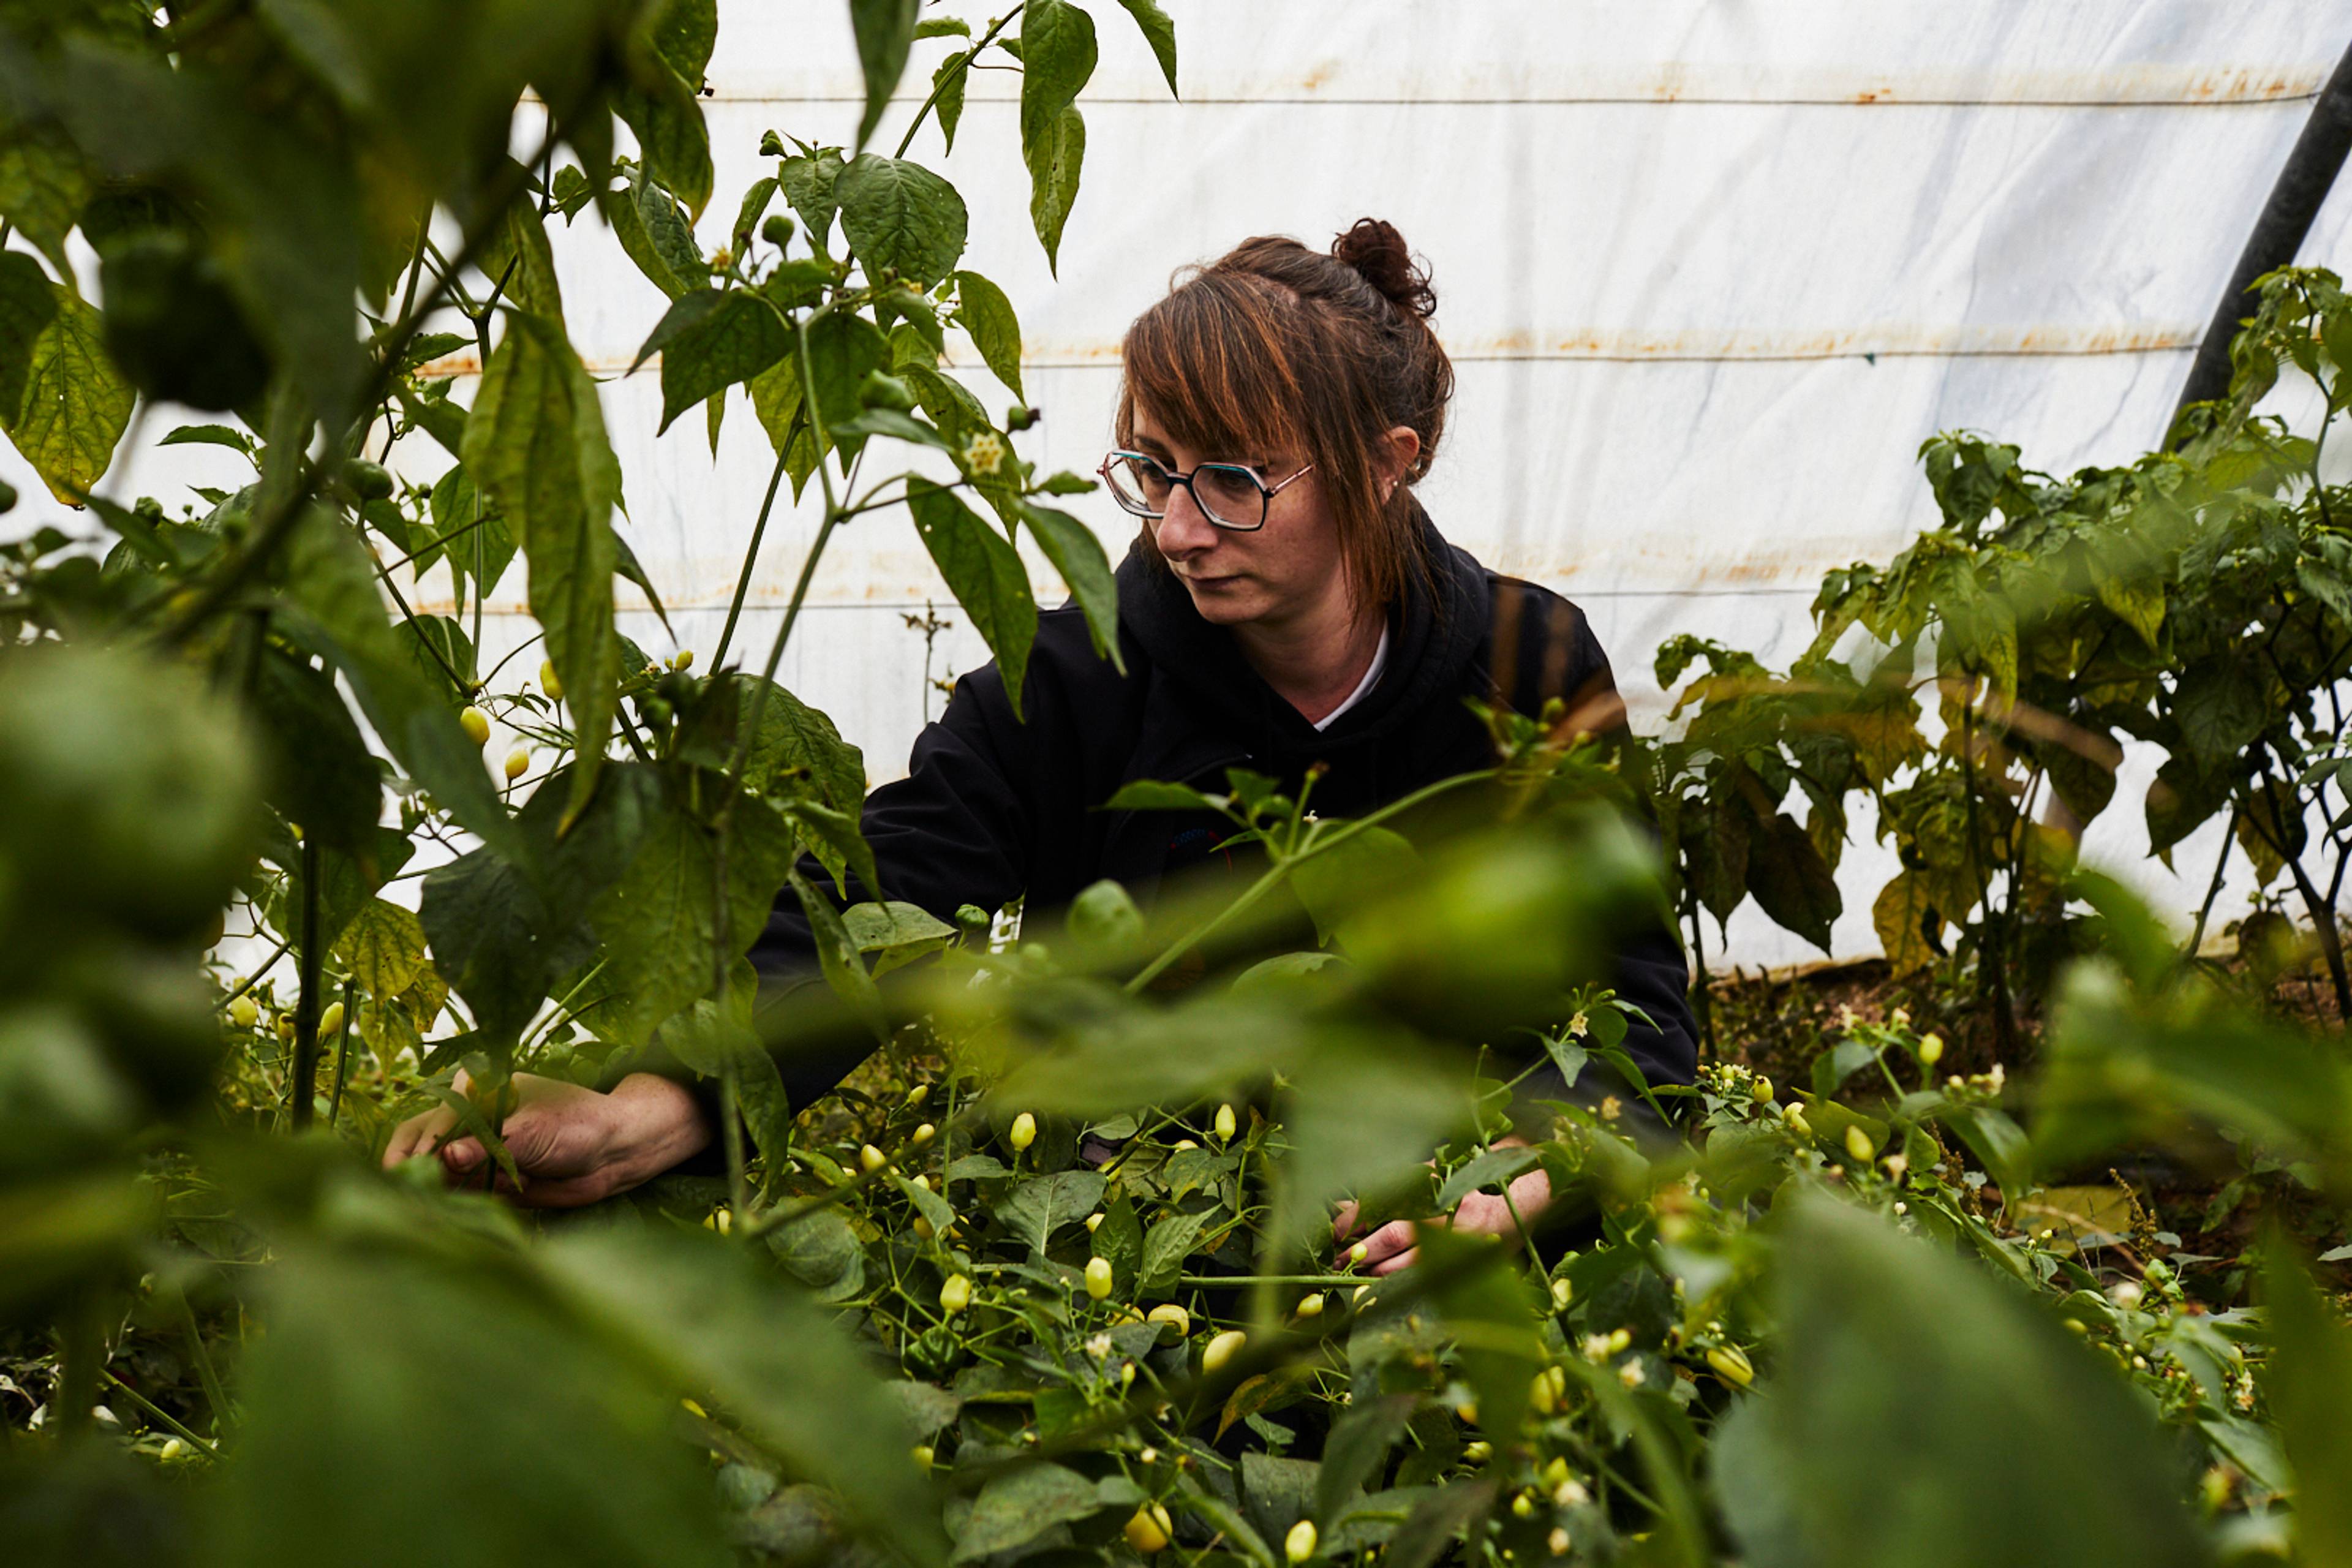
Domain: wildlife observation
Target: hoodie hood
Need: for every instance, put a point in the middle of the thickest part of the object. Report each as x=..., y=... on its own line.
x=1432, y=640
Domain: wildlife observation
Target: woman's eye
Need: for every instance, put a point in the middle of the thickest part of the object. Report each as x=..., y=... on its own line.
x=1230, y=484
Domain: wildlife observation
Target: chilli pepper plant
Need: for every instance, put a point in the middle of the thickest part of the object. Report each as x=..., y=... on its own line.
x=1055, y=1277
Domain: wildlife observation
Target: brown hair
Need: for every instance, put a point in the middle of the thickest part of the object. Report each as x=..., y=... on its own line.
x=1322, y=352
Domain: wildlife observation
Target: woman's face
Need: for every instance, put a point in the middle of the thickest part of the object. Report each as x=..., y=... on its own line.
x=1289, y=571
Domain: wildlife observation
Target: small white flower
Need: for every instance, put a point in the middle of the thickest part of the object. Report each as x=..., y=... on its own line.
x=1577, y=1025
x=983, y=453
x=1098, y=1346
x=1631, y=1376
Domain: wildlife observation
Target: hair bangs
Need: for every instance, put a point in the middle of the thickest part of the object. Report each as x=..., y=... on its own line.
x=1214, y=366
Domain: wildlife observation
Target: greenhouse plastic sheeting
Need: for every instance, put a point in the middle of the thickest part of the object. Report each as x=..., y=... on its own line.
x=1709, y=273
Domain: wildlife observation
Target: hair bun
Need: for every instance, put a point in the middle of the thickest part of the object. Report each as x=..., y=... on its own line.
x=1375, y=249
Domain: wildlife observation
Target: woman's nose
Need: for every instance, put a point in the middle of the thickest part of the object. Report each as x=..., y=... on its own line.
x=1183, y=530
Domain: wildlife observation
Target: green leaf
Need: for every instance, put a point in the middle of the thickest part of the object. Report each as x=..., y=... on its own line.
x=748, y=216
x=43, y=188
x=733, y=339
x=696, y=1309
x=2311, y=1391
x=1494, y=1168
x=1357, y=1450
x=656, y=922
x=899, y=932
x=984, y=573
x=948, y=83
x=837, y=956
x=29, y=304
x=384, y=947
x=808, y=186
x=655, y=235
x=672, y=138
x=1166, y=1245
x=535, y=443
x=1881, y=1329
x=321, y=776
x=796, y=737
x=885, y=32
x=2218, y=703
x=1118, y=1241
x=332, y=607
x=1035, y=1208
x=1018, y=1506
x=519, y=258
x=1153, y=794
x=1791, y=881
x=69, y=404
x=1053, y=163
x=1057, y=57
x=1160, y=33
x=370, y=1346
x=899, y=216
x=1078, y=556
x=987, y=315
x=495, y=940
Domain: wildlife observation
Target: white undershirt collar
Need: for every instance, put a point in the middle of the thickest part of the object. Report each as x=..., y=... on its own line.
x=1373, y=674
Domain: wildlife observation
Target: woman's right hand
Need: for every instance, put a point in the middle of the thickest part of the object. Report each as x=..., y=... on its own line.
x=572, y=1145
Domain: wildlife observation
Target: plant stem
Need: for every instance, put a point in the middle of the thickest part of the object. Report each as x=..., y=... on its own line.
x=158, y=1413
x=300, y=1084
x=1316, y=844
x=962, y=69
x=752, y=554
x=2214, y=889
x=206, y=1374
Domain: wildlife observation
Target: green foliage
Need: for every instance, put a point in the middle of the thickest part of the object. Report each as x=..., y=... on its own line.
x=1978, y=689
x=967, y=1310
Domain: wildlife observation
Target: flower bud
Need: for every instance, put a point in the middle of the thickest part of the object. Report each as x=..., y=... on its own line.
x=1299, y=1544
x=1931, y=1049
x=923, y=1134
x=331, y=1020
x=1221, y=1349
x=1183, y=1144
x=1169, y=1312
x=1523, y=1506
x=1093, y=1221
x=518, y=763
x=1479, y=1452
x=1563, y=1291
x=871, y=1159
x=1225, y=1123
x=476, y=725
x=955, y=1295
x=1558, y=1543
x=1858, y=1144
x=1358, y=1252
x=1760, y=1091
x=243, y=1013
x=1310, y=1306
x=548, y=681
x=1098, y=1280
x=1024, y=1133
x=922, y=1452
x=916, y=1095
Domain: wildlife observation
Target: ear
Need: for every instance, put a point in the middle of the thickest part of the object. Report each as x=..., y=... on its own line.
x=1399, y=446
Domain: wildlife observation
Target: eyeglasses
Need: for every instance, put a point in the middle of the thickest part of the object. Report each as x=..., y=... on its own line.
x=1231, y=495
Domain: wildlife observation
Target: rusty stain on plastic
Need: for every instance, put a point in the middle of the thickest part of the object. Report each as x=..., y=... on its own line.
x=1673, y=81
x=1699, y=344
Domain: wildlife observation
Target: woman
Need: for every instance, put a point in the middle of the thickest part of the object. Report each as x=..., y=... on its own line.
x=1286, y=601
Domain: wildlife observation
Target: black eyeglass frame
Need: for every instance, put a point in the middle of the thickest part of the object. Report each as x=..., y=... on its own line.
x=1266, y=492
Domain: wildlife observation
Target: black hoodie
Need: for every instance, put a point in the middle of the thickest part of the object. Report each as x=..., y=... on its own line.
x=995, y=807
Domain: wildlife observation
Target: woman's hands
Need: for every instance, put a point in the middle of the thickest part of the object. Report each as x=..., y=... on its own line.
x=1390, y=1248
x=573, y=1145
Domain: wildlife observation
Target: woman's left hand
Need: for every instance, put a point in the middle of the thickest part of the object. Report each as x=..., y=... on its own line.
x=1392, y=1247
